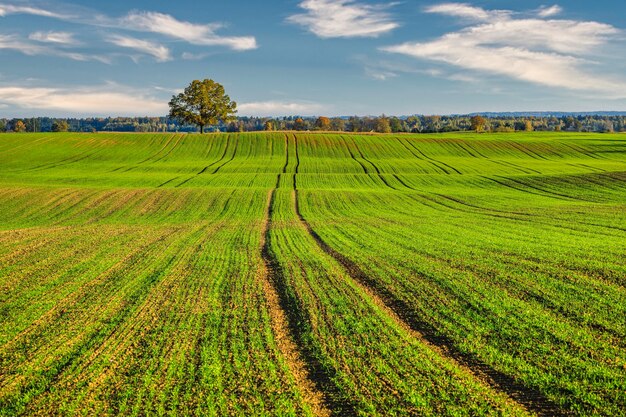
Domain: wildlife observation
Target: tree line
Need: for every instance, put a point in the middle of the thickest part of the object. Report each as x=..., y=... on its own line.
x=381, y=124
x=205, y=103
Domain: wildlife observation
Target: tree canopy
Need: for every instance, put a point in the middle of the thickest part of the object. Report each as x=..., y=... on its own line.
x=203, y=103
x=299, y=124
x=478, y=123
x=19, y=127
x=322, y=123
x=60, y=126
x=414, y=124
x=528, y=126
x=382, y=125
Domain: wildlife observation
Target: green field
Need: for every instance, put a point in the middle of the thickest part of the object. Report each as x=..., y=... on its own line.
x=312, y=274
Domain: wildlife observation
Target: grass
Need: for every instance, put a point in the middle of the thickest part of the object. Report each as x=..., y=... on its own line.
x=312, y=274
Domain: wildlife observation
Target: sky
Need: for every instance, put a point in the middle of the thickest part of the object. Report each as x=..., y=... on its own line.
x=313, y=57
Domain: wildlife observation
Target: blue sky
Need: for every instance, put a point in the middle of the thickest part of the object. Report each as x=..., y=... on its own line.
x=313, y=57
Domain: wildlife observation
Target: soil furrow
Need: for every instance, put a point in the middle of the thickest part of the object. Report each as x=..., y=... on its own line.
x=215, y=171
x=373, y=166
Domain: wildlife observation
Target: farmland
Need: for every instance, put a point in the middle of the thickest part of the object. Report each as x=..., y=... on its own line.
x=313, y=274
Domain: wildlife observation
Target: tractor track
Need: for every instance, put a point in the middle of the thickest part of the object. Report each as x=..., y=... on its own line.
x=313, y=379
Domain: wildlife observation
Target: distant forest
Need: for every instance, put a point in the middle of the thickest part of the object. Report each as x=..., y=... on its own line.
x=490, y=122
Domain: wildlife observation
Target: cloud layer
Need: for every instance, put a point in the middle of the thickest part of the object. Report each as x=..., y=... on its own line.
x=193, y=33
x=162, y=25
x=343, y=19
x=106, y=100
x=27, y=47
x=277, y=108
x=535, y=49
x=113, y=99
x=61, y=38
x=7, y=9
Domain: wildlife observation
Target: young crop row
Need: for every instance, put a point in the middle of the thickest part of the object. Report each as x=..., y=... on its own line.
x=145, y=318
x=516, y=288
x=359, y=354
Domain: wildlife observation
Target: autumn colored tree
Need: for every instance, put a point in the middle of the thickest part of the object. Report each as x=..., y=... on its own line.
x=528, y=126
x=19, y=127
x=298, y=124
x=382, y=125
x=322, y=123
x=268, y=126
x=203, y=103
x=478, y=123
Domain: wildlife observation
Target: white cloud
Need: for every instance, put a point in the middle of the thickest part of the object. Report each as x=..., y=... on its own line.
x=84, y=57
x=277, y=108
x=193, y=33
x=145, y=21
x=12, y=42
x=159, y=52
x=563, y=36
x=546, y=52
x=64, y=38
x=550, y=11
x=343, y=19
x=105, y=100
x=467, y=11
x=7, y=9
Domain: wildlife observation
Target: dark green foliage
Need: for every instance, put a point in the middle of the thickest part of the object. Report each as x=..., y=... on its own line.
x=60, y=126
x=203, y=103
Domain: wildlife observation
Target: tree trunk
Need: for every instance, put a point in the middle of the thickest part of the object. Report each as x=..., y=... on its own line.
x=201, y=129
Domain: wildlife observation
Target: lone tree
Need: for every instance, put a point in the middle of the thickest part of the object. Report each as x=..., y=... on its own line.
x=203, y=103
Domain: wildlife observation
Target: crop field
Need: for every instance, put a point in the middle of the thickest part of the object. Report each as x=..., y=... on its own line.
x=313, y=274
